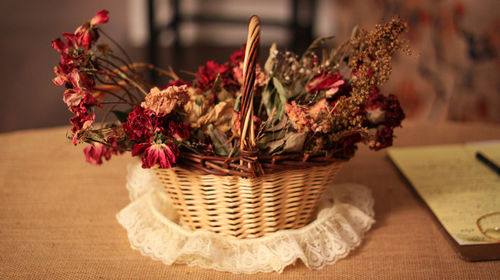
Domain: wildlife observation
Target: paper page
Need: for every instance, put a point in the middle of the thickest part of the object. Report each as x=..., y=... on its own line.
x=456, y=186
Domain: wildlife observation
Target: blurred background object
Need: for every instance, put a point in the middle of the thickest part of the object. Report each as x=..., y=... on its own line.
x=454, y=74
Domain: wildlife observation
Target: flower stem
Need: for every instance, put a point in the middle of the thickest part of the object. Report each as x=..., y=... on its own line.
x=123, y=75
x=117, y=45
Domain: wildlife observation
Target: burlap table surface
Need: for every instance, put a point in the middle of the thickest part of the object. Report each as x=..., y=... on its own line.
x=57, y=217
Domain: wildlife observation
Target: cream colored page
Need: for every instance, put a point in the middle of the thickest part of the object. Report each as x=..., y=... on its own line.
x=455, y=185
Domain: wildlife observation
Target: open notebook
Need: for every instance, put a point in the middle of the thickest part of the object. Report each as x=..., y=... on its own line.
x=459, y=190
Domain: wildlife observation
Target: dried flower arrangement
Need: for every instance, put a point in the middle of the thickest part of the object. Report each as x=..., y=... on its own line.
x=308, y=108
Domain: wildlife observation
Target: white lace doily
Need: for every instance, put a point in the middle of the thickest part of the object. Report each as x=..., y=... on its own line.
x=345, y=214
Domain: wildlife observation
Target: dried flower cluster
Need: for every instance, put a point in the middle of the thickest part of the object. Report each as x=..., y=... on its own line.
x=315, y=104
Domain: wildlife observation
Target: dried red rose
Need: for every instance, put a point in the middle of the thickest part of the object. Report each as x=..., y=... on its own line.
x=383, y=110
x=163, y=154
x=374, y=100
x=238, y=56
x=206, y=75
x=100, y=18
x=86, y=34
x=141, y=125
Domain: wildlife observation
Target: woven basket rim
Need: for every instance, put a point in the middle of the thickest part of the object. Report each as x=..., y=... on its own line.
x=230, y=166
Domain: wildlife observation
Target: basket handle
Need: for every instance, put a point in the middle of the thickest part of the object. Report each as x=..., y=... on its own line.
x=248, y=144
x=247, y=134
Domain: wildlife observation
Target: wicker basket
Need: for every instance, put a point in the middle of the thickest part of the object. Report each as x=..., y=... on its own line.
x=247, y=207
x=248, y=196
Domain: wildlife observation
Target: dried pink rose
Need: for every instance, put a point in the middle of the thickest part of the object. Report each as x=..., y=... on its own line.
x=82, y=122
x=328, y=82
x=94, y=153
x=163, y=102
x=72, y=97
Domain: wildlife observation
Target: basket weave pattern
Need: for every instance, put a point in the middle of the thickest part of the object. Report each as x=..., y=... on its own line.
x=247, y=207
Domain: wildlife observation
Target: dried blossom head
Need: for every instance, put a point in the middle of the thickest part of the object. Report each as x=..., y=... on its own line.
x=141, y=125
x=383, y=138
x=207, y=74
x=156, y=153
x=383, y=110
x=163, y=102
x=96, y=152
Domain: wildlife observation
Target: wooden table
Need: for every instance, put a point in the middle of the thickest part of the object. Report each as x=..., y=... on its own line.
x=57, y=216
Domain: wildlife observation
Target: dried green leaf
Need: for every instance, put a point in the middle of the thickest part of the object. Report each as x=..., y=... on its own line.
x=281, y=90
x=269, y=137
x=237, y=103
x=221, y=145
x=294, y=142
x=274, y=100
x=282, y=124
x=275, y=146
x=266, y=100
x=283, y=142
x=297, y=89
x=217, y=83
x=281, y=100
x=271, y=60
